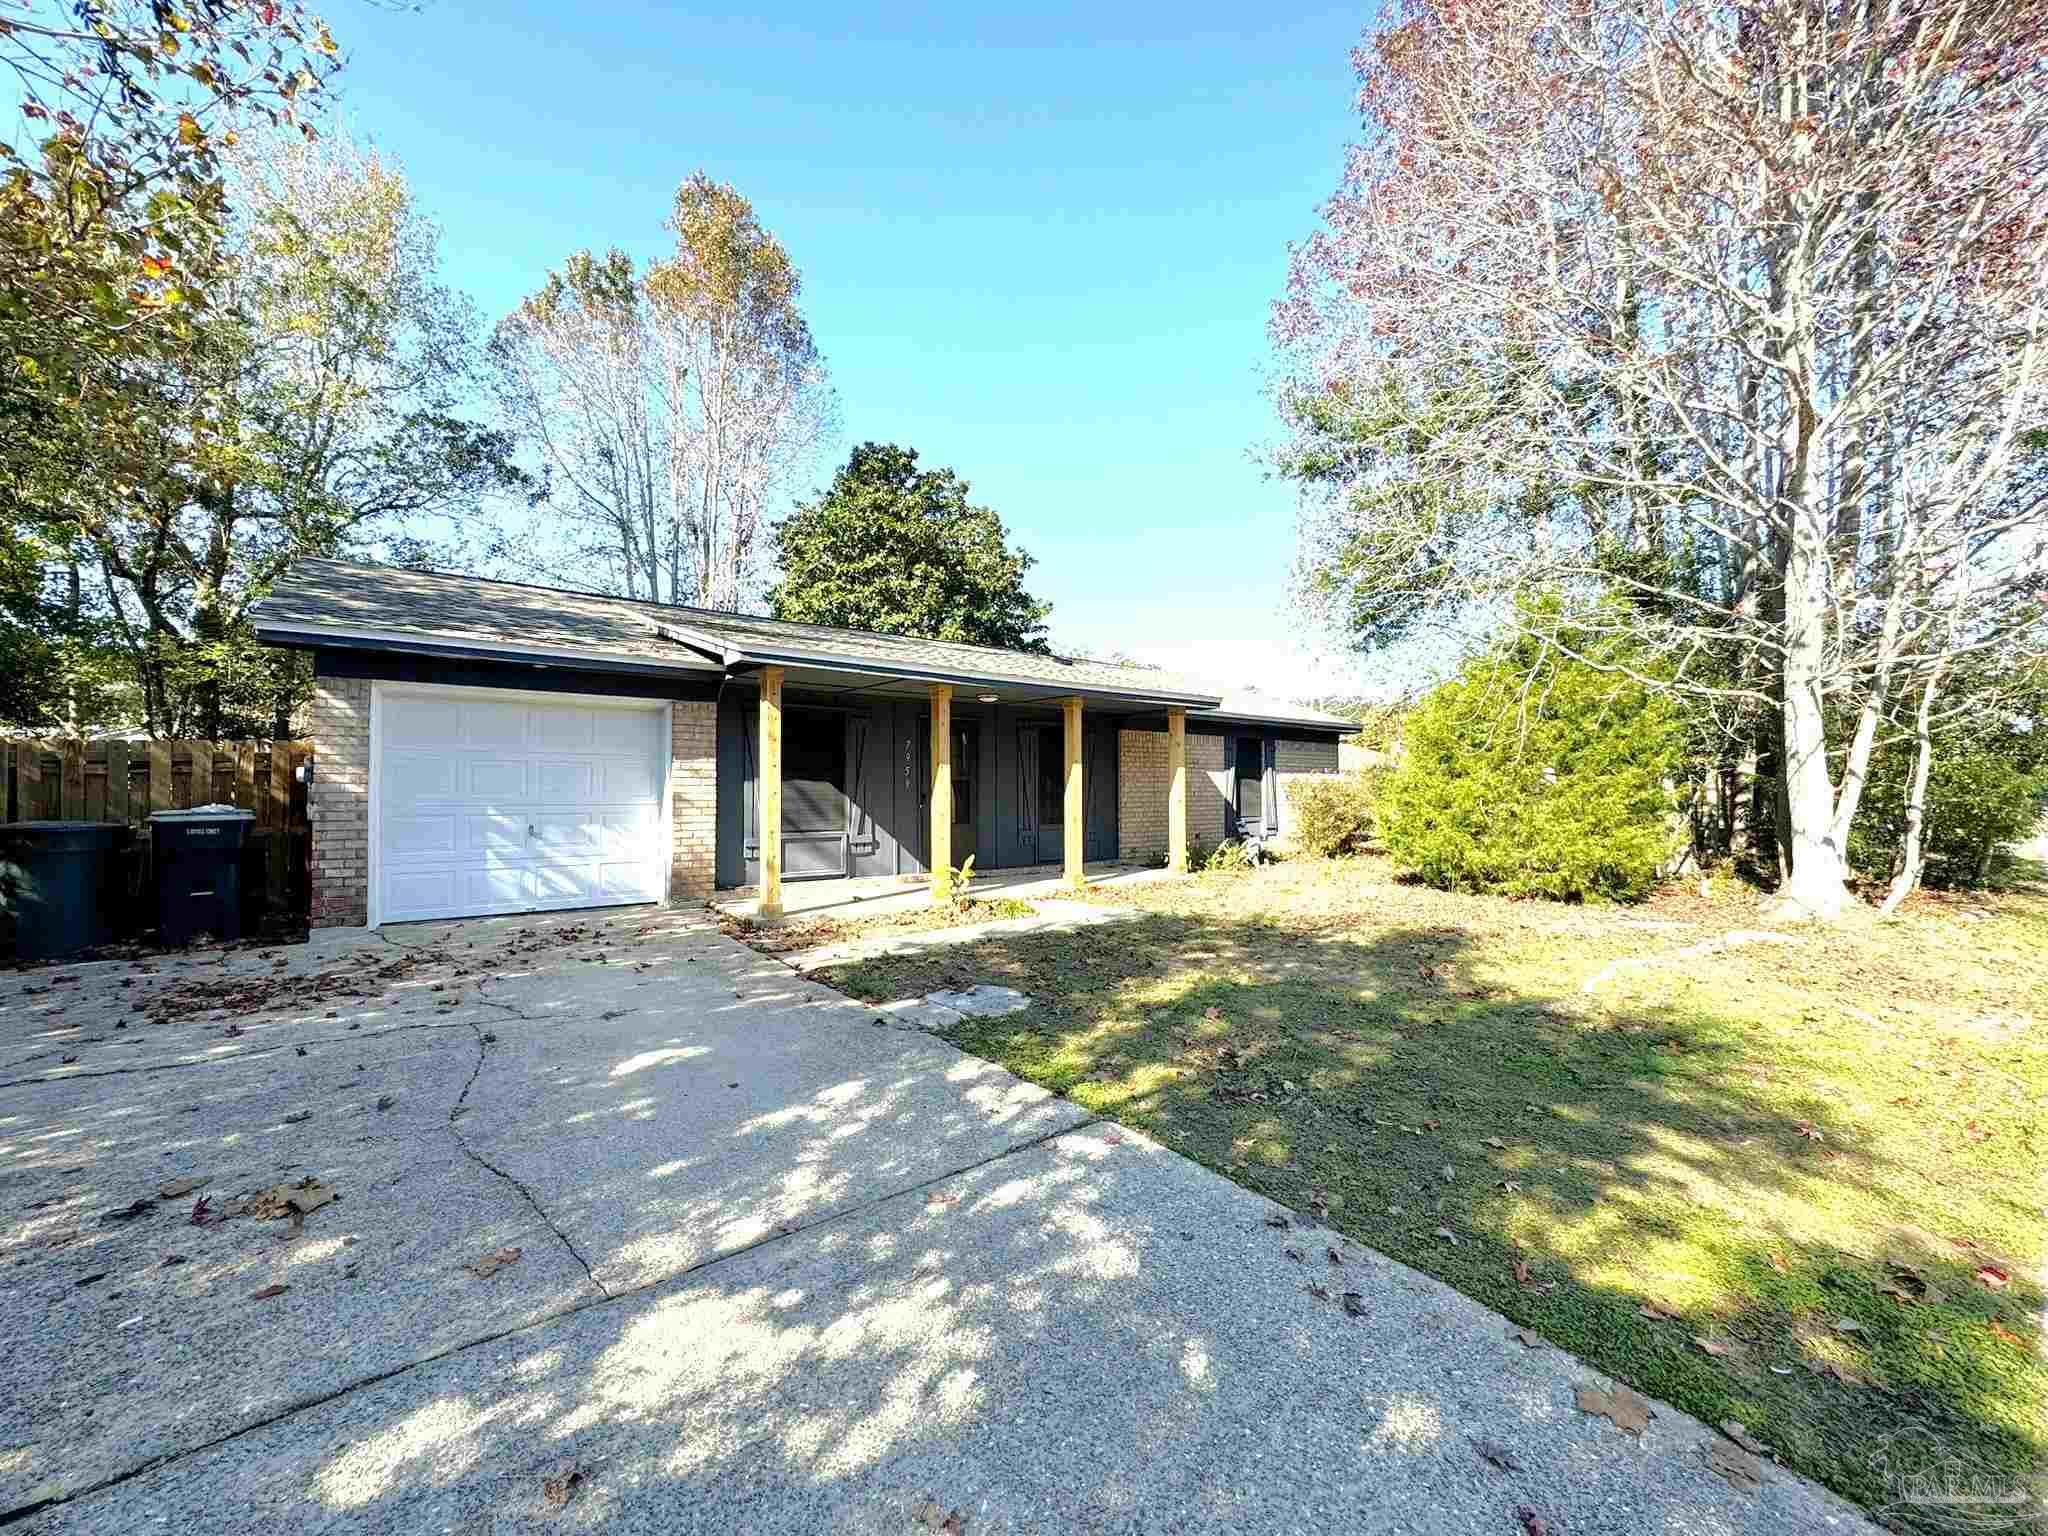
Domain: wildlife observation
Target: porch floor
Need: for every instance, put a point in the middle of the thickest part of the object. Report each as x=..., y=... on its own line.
x=880, y=895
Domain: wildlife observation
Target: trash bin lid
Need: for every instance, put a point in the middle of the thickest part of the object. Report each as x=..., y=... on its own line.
x=56, y=826
x=204, y=813
x=29, y=837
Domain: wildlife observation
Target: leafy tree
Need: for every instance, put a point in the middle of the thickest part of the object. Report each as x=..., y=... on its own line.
x=1533, y=773
x=899, y=549
x=314, y=406
x=1984, y=784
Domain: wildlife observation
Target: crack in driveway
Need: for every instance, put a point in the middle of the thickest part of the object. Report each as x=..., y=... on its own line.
x=606, y=1298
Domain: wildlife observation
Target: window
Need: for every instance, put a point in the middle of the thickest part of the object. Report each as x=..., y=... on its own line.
x=966, y=752
x=813, y=772
x=1052, y=792
x=1251, y=782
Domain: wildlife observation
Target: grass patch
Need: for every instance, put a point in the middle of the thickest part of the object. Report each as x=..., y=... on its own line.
x=1811, y=1156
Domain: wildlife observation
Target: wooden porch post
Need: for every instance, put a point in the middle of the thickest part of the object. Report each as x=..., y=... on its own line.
x=769, y=798
x=942, y=793
x=1177, y=791
x=1076, y=808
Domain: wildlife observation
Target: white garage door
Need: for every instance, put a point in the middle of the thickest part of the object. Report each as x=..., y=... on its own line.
x=495, y=802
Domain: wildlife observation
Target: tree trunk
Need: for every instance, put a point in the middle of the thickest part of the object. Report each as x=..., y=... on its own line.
x=1907, y=876
x=1816, y=885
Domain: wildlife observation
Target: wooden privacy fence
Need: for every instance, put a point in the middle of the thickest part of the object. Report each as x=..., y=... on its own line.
x=121, y=781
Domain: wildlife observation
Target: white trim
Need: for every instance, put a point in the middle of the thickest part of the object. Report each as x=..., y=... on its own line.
x=668, y=802
x=380, y=690
x=482, y=650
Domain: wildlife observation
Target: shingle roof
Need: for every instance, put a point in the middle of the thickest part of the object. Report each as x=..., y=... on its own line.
x=1249, y=704
x=337, y=598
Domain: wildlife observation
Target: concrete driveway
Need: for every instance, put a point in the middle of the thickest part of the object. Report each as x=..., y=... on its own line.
x=780, y=1267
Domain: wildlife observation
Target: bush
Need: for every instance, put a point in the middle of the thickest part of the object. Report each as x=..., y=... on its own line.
x=1333, y=814
x=1534, y=775
x=1978, y=797
x=1231, y=857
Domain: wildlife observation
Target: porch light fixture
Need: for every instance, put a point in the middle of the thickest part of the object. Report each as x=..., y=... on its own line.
x=986, y=698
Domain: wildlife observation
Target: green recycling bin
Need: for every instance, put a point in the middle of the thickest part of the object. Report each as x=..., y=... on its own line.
x=198, y=857
x=65, y=884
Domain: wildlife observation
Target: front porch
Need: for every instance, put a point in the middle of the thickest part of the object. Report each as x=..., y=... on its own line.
x=886, y=895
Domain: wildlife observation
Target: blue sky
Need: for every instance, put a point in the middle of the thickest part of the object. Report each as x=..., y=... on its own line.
x=1038, y=248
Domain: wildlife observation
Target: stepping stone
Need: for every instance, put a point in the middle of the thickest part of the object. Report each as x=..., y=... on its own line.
x=982, y=1002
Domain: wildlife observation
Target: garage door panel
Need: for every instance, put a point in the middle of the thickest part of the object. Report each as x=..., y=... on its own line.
x=571, y=884
x=626, y=782
x=408, y=891
x=572, y=835
x=505, y=805
x=421, y=837
x=494, y=888
x=562, y=729
x=570, y=781
x=414, y=722
x=493, y=724
x=413, y=776
x=621, y=731
x=494, y=778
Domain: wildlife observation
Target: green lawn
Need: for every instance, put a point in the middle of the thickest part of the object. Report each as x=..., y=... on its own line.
x=1799, y=1185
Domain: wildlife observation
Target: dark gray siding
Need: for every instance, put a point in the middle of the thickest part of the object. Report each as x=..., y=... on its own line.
x=889, y=767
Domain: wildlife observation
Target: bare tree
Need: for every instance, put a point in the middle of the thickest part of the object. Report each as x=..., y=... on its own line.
x=669, y=407
x=1736, y=313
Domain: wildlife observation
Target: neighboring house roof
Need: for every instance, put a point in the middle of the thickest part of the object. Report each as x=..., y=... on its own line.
x=344, y=603
x=1257, y=708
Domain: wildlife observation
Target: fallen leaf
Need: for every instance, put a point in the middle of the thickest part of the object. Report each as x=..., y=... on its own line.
x=92, y=1279
x=1496, y=1453
x=1529, y=1340
x=2003, y=1332
x=386, y=1100
x=1655, y=1313
x=1532, y=1523
x=491, y=1263
x=1278, y=1219
x=1737, y=1431
x=1992, y=1278
x=1778, y=1263
x=300, y=1118
x=1448, y=1235
x=177, y=1187
x=1335, y=1256
x=1521, y=1271
x=560, y=1486
x=204, y=1215
x=128, y=1212
x=1317, y=1291
x=1628, y=1412
x=1809, y=1132
x=1848, y=1325
x=1354, y=1304
x=1742, y=1471
x=268, y=1291
x=1712, y=1347
x=1496, y=1143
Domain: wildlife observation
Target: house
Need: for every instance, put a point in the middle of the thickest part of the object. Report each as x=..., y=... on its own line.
x=487, y=747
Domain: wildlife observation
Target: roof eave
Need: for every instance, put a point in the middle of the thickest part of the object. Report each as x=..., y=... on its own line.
x=334, y=637
x=1164, y=697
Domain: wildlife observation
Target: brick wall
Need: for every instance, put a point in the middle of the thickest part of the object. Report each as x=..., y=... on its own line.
x=693, y=801
x=1141, y=793
x=338, y=802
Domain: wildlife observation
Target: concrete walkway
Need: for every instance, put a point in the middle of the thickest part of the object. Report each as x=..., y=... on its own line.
x=780, y=1268
x=881, y=896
